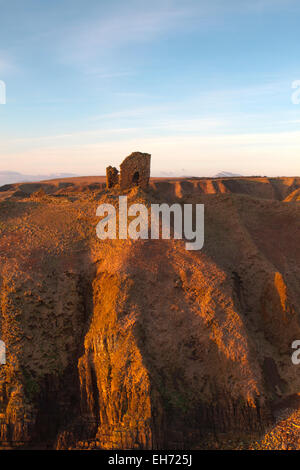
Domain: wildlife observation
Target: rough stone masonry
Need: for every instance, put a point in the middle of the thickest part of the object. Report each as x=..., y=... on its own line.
x=134, y=171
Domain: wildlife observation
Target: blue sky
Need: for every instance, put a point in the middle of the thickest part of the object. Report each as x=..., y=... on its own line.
x=203, y=86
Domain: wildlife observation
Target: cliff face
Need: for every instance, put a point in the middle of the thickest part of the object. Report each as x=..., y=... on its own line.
x=142, y=344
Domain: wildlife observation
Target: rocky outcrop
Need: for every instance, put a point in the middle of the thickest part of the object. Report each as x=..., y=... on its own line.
x=112, y=177
x=142, y=344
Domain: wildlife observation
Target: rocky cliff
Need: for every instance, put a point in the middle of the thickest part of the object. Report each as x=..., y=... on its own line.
x=142, y=344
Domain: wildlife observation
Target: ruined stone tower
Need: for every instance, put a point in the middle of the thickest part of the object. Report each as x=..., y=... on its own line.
x=112, y=176
x=134, y=171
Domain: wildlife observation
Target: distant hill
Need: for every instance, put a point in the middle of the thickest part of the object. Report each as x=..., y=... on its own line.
x=226, y=174
x=8, y=177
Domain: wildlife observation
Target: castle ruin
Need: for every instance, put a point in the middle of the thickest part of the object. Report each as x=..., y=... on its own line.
x=134, y=171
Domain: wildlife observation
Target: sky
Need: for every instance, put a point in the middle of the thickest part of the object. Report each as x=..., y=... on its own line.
x=203, y=85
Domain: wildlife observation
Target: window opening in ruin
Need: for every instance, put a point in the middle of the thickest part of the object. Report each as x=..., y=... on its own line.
x=136, y=177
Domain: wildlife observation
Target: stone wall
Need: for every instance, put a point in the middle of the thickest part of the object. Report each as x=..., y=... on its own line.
x=135, y=170
x=112, y=176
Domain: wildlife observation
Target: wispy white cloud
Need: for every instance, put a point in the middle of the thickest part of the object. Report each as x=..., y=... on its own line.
x=262, y=5
x=141, y=22
x=175, y=125
x=219, y=97
x=249, y=153
x=257, y=91
x=130, y=94
x=6, y=64
x=142, y=111
x=102, y=73
x=125, y=26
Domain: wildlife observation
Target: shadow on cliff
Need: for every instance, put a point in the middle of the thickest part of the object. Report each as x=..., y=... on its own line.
x=190, y=399
x=58, y=401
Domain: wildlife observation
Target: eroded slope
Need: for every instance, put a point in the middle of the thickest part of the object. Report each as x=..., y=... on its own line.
x=143, y=344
